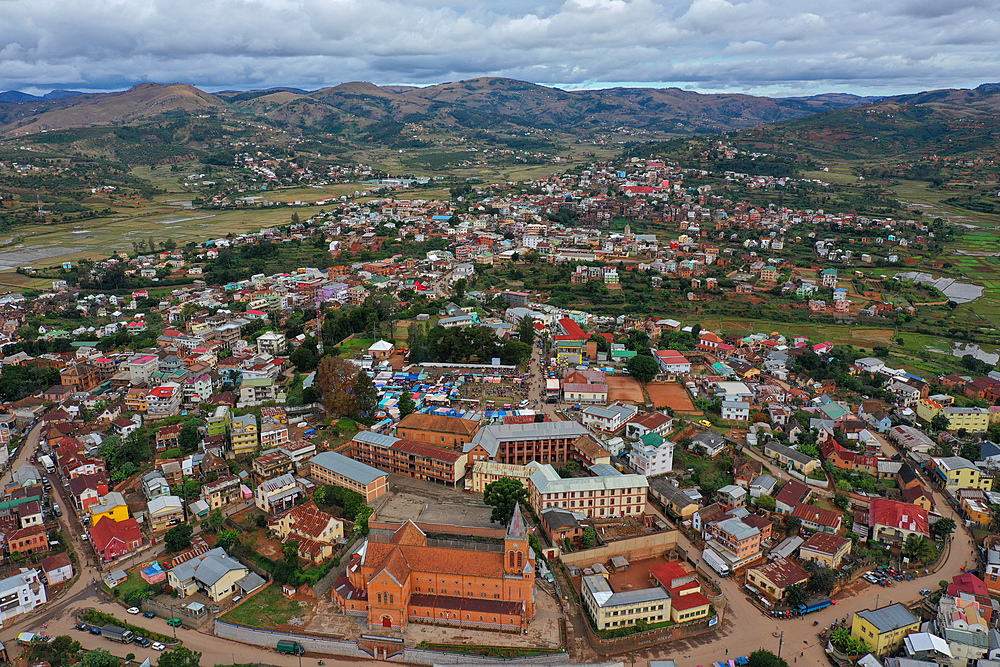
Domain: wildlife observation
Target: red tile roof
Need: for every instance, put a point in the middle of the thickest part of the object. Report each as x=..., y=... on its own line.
x=895, y=514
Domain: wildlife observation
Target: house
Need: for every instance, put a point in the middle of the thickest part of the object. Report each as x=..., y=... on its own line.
x=23, y=592
x=609, y=419
x=112, y=506
x=316, y=531
x=790, y=458
x=223, y=491
x=650, y=422
x=30, y=540
x=679, y=503
x=790, y=495
x=894, y=521
x=763, y=485
x=154, y=484
x=817, y=518
x=272, y=343
x=278, y=494
x=114, y=539
x=954, y=472
x=164, y=512
x=57, y=568
x=272, y=463
x=381, y=349
x=652, y=455
x=775, y=577
x=215, y=573
x=825, y=548
x=885, y=628
x=561, y=525
x=708, y=443
x=243, y=434
x=736, y=410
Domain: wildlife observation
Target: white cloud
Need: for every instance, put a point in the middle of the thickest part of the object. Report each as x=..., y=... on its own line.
x=746, y=45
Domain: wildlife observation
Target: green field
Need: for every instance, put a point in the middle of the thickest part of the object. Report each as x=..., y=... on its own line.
x=268, y=609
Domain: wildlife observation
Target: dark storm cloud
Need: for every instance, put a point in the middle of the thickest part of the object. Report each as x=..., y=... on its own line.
x=750, y=45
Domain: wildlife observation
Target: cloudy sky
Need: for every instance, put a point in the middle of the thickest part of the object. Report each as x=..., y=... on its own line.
x=778, y=47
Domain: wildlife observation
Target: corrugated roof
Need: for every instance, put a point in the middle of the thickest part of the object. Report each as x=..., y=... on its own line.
x=490, y=437
x=889, y=618
x=347, y=467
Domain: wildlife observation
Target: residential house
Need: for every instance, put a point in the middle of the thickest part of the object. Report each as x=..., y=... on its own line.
x=790, y=495
x=215, y=573
x=278, y=494
x=114, y=539
x=775, y=577
x=826, y=548
x=885, y=628
x=164, y=512
x=316, y=531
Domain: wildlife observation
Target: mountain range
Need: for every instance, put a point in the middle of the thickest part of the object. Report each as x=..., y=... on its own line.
x=516, y=114
x=476, y=104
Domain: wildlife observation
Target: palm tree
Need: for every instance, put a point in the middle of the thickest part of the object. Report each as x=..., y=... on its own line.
x=919, y=548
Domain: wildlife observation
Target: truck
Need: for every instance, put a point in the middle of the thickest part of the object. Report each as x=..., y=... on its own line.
x=290, y=647
x=714, y=561
x=47, y=463
x=118, y=633
x=814, y=604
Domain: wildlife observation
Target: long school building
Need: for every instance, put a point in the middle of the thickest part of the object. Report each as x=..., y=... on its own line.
x=339, y=470
x=409, y=457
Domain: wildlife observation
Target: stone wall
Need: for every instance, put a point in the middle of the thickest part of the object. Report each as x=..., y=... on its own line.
x=633, y=548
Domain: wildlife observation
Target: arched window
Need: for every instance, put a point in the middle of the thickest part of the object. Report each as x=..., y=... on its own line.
x=520, y=560
x=392, y=599
x=380, y=598
x=512, y=559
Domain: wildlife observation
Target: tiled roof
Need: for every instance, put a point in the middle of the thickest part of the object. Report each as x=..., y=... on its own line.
x=895, y=514
x=792, y=493
x=439, y=424
x=825, y=543
x=816, y=515
x=783, y=573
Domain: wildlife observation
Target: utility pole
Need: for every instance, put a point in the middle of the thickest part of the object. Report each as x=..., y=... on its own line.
x=781, y=640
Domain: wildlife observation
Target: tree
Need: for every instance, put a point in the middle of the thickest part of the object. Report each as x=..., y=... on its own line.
x=762, y=658
x=589, y=537
x=602, y=343
x=365, y=396
x=940, y=422
x=214, y=521
x=227, y=538
x=295, y=218
x=335, y=378
x=841, y=501
x=972, y=451
x=178, y=538
x=406, y=405
x=526, y=330
x=793, y=524
x=181, y=656
x=919, y=549
x=100, y=658
x=642, y=367
x=503, y=496
x=766, y=502
x=796, y=594
x=189, y=437
x=880, y=351
x=459, y=288
x=942, y=528
x=822, y=579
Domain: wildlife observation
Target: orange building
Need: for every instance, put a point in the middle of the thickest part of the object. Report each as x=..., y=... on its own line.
x=437, y=430
x=404, y=580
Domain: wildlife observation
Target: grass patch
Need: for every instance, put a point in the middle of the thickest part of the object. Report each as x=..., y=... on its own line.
x=135, y=583
x=267, y=609
x=492, y=651
x=355, y=343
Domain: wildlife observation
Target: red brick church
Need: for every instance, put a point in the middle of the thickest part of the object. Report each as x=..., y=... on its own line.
x=405, y=580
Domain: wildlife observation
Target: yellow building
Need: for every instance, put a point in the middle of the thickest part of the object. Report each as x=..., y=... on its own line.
x=485, y=473
x=112, y=506
x=928, y=408
x=135, y=399
x=884, y=629
x=611, y=610
x=243, y=434
x=954, y=472
x=973, y=420
x=978, y=511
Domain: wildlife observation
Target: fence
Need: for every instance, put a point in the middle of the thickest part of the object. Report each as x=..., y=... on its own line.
x=351, y=649
x=643, y=640
x=821, y=483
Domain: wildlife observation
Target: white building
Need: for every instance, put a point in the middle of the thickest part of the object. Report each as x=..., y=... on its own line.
x=736, y=410
x=20, y=594
x=652, y=455
x=610, y=418
x=272, y=343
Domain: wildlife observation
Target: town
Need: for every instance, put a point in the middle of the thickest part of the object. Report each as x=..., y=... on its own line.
x=535, y=421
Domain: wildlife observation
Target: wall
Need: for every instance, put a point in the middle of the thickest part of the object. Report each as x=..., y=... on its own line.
x=340, y=647
x=633, y=548
x=821, y=483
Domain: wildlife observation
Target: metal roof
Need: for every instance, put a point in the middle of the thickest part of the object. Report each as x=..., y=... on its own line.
x=490, y=437
x=886, y=619
x=546, y=480
x=347, y=467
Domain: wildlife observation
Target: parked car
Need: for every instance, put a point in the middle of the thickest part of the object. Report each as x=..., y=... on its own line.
x=925, y=591
x=149, y=614
x=157, y=646
x=143, y=642
x=83, y=627
x=174, y=622
x=237, y=598
x=94, y=630
x=132, y=610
